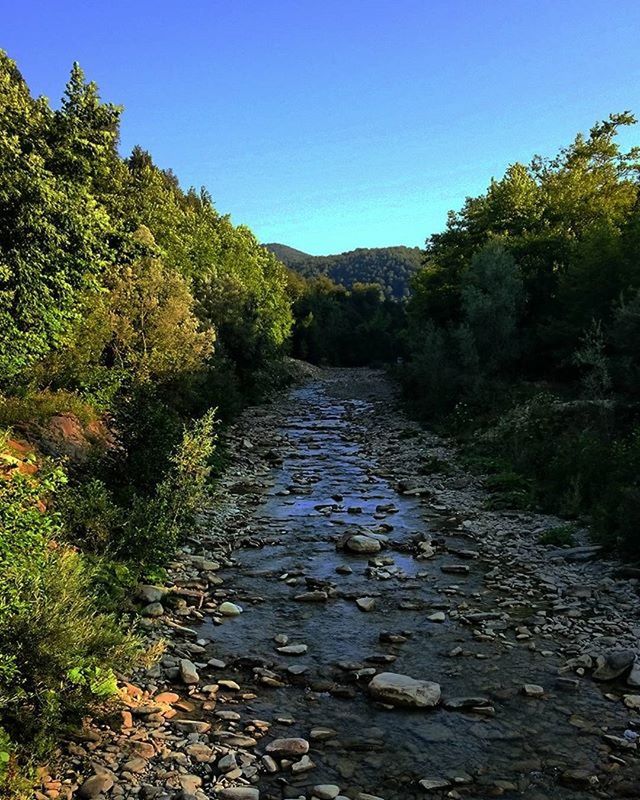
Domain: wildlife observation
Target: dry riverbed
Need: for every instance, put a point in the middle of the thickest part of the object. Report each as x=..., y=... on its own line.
x=372, y=633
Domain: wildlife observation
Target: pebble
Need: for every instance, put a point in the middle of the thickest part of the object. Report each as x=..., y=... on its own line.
x=95, y=786
x=293, y=649
x=239, y=793
x=434, y=784
x=303, y=765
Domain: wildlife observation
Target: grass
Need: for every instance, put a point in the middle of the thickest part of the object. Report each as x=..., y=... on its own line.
x=41, y=406
x=560, y=536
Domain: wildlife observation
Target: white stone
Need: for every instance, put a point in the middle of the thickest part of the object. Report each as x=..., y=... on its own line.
x=188, y=672
x=401, y=690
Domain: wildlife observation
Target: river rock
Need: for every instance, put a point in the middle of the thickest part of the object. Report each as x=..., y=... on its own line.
x=288, y=747
x=613, y=665
x=455, y=569
x=153, y=610
x=632, y=701
x=533, y=690
x=359, y=543
x=322, y=734
x=326, y=791
x=317, y=596
x=304, y=765
x=239, y=793
x=95, y=786
x=633, y=678
x=366, y=603
x=401, y=690
x=188, y=672
x=434, y=784
x=293, y=649
x=465, y=703
x=149, y=593
x=228, y=609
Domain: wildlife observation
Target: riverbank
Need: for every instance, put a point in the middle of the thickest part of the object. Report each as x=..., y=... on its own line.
x=276, y=620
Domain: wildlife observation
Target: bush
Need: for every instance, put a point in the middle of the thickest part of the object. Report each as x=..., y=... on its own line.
x=435, y=466
x=91, y=517
x=39, y=407
x=155, y=526
x=560, y=536
x=58, y=650
x=509, y=490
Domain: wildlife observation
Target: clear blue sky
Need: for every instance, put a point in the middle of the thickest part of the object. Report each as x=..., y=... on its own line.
x=332, y=124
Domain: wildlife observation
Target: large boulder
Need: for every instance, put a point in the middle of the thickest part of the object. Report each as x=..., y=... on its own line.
x=613, y=665
x=401, y=690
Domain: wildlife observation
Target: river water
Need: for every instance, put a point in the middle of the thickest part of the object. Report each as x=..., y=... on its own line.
x=518, y=752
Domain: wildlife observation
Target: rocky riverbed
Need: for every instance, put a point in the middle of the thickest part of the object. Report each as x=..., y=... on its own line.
x=344, y=626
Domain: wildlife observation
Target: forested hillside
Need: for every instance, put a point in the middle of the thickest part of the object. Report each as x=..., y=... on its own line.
x=129, y=309
x=523, y=333
x=392, y=268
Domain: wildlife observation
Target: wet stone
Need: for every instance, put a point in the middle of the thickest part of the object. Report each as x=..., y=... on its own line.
x=401, y=690
x=363, y=544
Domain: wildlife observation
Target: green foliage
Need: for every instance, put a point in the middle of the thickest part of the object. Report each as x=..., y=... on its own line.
x=39, y=407
x=54, y=232
x=536, y=283
x=115, y=284
x=509, y=490
x=592, y=358
x=559, y=536
x=58, y=650
x=345, y=327
x=491, y=296
x=155, y=525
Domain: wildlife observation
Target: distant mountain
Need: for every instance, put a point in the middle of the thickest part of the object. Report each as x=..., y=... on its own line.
x=390, y=267
x=288, y=255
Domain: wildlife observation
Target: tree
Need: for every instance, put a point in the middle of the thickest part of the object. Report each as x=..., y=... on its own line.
x=53, y=234
x=492, y=295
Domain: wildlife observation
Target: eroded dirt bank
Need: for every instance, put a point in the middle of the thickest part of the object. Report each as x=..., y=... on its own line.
x=532, y=647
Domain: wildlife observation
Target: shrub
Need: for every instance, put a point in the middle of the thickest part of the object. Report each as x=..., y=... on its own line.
x=509, y=490
x=41, y=406
x=58, y=650
x=155, y=525
x=560, y=536
x=91, y=517
x=435, y=466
